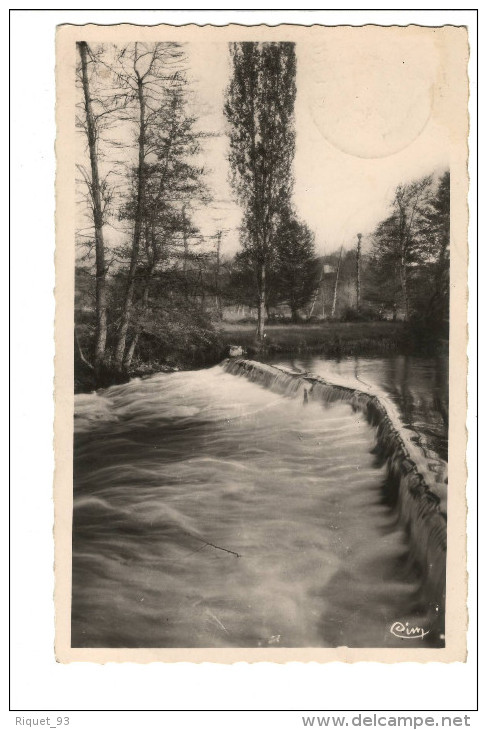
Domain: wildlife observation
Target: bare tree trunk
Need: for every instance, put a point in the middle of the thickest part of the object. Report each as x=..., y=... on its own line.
x=261, y=306
x=405, y=288
x=80, y=352
x=100, y=297
x=359, y=238
x=333, y=306
x=131, y=351
x=317, y=290
x=145, y=307
x=185, y=241
x=441, y=272
x=313, y=300
x=218, y=299
x=134, y=258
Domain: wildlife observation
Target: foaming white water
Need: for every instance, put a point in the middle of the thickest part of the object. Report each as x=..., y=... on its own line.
x=418, y=386
x=210, y=511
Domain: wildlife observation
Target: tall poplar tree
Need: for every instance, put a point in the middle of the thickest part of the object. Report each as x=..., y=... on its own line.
x=260, y=111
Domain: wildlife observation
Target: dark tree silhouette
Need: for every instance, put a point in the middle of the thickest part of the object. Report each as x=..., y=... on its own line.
x=437, y=245
x=260, y=110
x=409, y=265
x=396, y=243
x=242, y=282
x=172, y=182
x=296, y=269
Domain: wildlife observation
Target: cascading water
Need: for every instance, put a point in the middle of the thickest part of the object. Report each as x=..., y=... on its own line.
x=415, y=486
x=211, y=512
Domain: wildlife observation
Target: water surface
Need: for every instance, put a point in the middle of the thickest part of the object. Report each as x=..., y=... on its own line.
x=211, y=512
x=417, y=385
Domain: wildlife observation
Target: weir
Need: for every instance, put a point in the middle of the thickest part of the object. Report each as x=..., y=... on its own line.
x=415, y=487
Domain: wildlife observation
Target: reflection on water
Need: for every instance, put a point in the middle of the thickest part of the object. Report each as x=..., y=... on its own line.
x=210, y=512
x=417, y=385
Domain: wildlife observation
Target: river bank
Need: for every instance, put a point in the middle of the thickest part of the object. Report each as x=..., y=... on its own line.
x=330, y=339
x=326, y=339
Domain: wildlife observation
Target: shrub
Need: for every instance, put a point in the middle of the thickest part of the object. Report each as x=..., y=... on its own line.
x=365, y=314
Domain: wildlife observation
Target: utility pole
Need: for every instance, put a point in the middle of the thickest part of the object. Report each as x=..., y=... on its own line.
x=218, y=301
x=336, y=283
x=185, y=240
x=359, y=239
x=319, y=287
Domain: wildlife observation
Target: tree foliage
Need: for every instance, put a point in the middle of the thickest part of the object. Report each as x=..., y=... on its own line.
x=142, y=136
x=410, y=251
x=260, y=112
x=295, y=266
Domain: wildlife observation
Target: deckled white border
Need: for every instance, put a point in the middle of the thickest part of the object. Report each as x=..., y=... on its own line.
x=454, y=44
x=38, y=682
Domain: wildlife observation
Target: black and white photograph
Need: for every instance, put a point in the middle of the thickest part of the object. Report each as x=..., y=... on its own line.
x=261, y=343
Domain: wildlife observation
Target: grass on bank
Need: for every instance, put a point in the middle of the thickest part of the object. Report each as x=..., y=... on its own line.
x=327, y=338
x=208, y=346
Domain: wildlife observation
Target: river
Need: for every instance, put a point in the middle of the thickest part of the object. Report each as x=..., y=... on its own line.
x=417, y=385
x=211, y=512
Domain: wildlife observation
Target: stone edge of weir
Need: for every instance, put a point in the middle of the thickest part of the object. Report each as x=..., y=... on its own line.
x=417, y=480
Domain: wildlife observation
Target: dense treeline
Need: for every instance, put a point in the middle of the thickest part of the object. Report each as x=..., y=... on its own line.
x=400, y=272
x=405, y=267
x=410, y=261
